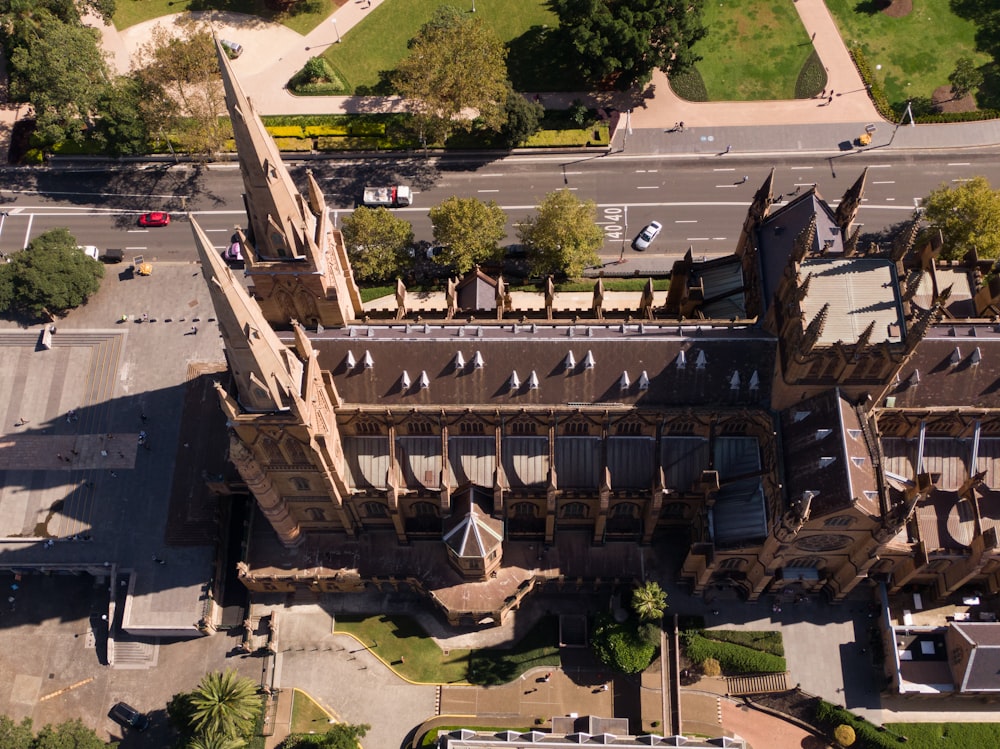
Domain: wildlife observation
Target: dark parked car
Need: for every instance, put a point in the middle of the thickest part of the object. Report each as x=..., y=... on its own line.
x=127, y=716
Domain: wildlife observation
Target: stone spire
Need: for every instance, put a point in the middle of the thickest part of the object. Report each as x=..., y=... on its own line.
x=847, y=211
x=268, y=375
x=815, y=330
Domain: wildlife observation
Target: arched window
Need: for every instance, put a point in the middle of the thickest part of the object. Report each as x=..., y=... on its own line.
x=625, y=510
x=272, y=453
x=733, y=563
x=293, y=448
x=315, y=514
x=471, y=427
x=424, y=510
x=300, y=484
x=839, y=521
x=374, y=509
x=575, y=510
x=525, y=510
x=675, y=510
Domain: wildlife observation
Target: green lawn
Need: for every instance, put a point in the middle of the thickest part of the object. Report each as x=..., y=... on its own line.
x=379, y=42
x=310, y=12
x=916, y=52
x=937, y=735
x=754, y=50
x=307, y=716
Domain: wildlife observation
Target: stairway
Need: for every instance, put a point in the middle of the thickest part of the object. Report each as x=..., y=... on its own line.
x=756, y=684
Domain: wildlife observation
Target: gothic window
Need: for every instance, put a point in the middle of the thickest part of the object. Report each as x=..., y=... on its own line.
x=815, y=369
x=472, y=427
x=419, y=427
x=734, y=427
x=424, y=510
x=823, y=542
x=733, y=563
x=524, y=427
x=574, y=510
x=840, y=521
x=525, y=510
x=272, y=453
x=628, y=428
x=576, y=428
x=367, y=427
x=831, y=367
x=675, y=510
x=625, y=510
x=315, y=514
x=813, y=562
x=294, y=450
x=682, y=427
x=374, y=509
x=300, y=484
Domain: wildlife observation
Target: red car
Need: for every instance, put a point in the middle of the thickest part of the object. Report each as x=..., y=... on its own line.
x=156, y=218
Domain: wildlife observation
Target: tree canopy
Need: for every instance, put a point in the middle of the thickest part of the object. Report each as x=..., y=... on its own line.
x=377, y=242
x=968, y=216
x=70, y=734
x=224, y=704
x=470, y=231
x=455, y=72
x=620, y=645
x=339, y=736
x=649, y=601
x=49, y=277
x=563, y=237
x=619, y=44
x=524, y=119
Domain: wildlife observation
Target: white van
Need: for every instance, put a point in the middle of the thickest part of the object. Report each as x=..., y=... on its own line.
x=89, y=250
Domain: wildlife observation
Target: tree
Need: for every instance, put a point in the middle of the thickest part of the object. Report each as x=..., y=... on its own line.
x=52, y=276
x=618, y=44
x=182, y=90
x=619, y=645
x=72, y=734
x=455, y=72
x=649, y=601
x=340, y=736
x=524, y=119
x=121, y=126
x=968, y=216
x=844, y=735
x=377, y=242
x=965, y=77
x=469, y=230
x=225, y=704
x=711, y=667
x=215, y=741
x=57, y=67
x=15, y=735
x=564, y=236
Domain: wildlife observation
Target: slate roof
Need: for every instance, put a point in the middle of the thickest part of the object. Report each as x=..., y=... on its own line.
x=982, y=673
x=685, y=366
x=973, y=381
x=826, y=455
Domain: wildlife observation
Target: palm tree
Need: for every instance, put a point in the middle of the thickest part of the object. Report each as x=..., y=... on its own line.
x=225, y=704
x=214, y=741
x=649, y=601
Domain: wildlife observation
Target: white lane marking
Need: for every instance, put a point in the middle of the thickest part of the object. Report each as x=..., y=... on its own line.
x=880, y=166
x=494, y=174
x=686, y=221
x=647, y=187
x=801, y=168
x=137, y=231
x=718, y=239
x=487, y=191
x=725, y=169
x=211, y=230
x=144, y=247
x=890, y=198
x=27, y=233
x=959, y=163
x=726, y=185
x=963, y=179
x=885, y=182
x=572, y=173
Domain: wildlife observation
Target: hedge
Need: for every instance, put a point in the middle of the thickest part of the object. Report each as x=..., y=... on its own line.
x=619, y=645
x=768, y=642
x=828, y=717
x=294, y=144
x=286, y=131
x=734, y=659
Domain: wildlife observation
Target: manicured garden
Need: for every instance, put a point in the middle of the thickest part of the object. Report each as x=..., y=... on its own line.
x=736, y=652
x=403, y=644
x=303, y=17
x=753, y=51
x=916, y=52
x=307, y=716
x=936, y=735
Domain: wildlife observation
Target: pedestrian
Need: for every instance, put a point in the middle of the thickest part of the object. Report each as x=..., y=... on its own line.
x=114, y=475
x=604, y=687
x=814, y=36
x=677, y=126
x=682, y=125
x=829, y=99
x=194, y=330
x=745, y=178
x=59, y=457
x=145, y=317
x=142, y=417
x=21, y=422
x=822, y=94
x=75, y=452
x=728, y=149
x=124, y=318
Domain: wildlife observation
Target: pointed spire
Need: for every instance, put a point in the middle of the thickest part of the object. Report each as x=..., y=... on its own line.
x=919, y=329
x=847, y=211
x=351, y=363
x=424, y=381
x=404, y=381
x=803, y=288
x=588, y=360
x=903, y=241
x=267, y=373
x=624, y=383
x=912, y=284
x=863, y=340
x=367, y=360
x=459, y=361
x=533, y=381
x=477, y=361
x=569, y=362
x=514, y=383
x=644, y=381
x=815, y=330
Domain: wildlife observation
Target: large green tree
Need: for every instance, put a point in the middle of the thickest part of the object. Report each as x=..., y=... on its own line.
x=524, y=119
x=340, y=736
x=121, y=127
x=563, y=237
x=649, y=601
x=455, y=72
x=72, y=734
x=225, y=704
x=470, y=231
x=58, y=67
x=377, y=242
x=15, y=735
x=51, y=276
x=968, y=216
x=618, y=44
x=178, y=74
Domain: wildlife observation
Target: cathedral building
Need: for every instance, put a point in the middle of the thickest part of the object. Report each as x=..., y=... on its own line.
x=799, y=417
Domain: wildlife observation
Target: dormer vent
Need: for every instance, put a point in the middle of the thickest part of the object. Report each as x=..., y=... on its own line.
x=734, y=381
x=644, y=381
x=424, y=381
x=624, y=383
x=681, y=359
x=404, y=381
x=977, y=356
x=569, y=362
x=514, y=383
x=701, y=361
x=533, y=381
x=366, y=361
x=588, y=361
x=351, y=363
x=459, y=361
x=477, y=361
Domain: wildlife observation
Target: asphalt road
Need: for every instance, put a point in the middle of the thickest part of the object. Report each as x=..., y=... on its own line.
x=701, y=202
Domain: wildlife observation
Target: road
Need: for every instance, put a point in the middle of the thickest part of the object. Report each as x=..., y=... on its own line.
x=701, y=202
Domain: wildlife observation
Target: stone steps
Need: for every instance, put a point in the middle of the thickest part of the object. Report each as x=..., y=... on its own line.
x=756, y=684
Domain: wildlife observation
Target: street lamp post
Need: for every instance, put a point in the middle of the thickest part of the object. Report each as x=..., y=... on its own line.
x=628, y=127
x=473, y=6
x=335, y=28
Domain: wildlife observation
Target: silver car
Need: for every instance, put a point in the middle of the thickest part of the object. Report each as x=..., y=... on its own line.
x=647, y=235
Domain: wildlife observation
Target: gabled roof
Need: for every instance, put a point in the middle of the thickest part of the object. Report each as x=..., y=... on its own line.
x=982, y=672
x=471, y=533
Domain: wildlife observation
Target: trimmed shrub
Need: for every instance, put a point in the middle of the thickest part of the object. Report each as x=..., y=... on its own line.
x=620, y=646
x=844, y=735
x=812, y=78
x=710, y=667
x=875, y=90
x=830, y=717
x=689, y=85
x=286, y=131
x=734, y=659
x=294, y=144
x=314, y=131
x=768, y=642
